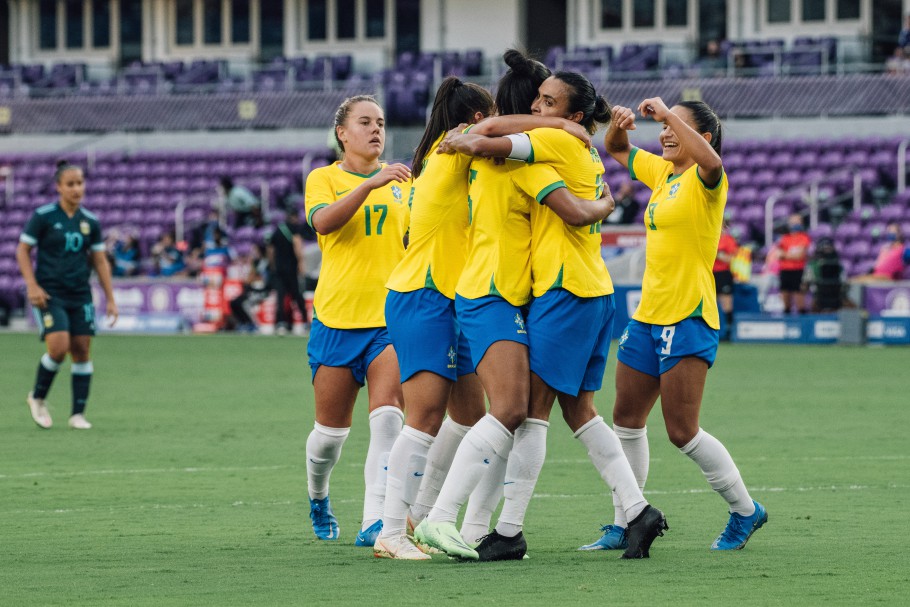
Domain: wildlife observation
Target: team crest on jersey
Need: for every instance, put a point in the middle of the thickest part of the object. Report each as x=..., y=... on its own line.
x=396, y=192
x=84, y=227
x=673, y=189
x=520, y=323
x=453, y=357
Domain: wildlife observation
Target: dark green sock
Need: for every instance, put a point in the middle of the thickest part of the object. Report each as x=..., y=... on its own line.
x=82, y=380
x=47, y=371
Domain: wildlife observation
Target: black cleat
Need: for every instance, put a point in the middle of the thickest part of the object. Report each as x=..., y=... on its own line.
x=642, y=532
x=495, y=547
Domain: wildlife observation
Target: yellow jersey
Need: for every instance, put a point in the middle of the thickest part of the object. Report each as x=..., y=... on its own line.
x=499, y=206
x=438, y=236
x=563, y=256
x=358, y=258
x=683, y=222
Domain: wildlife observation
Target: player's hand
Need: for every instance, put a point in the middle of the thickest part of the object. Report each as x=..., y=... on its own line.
x=655, y=108
x=112, y=313
x=37, y=296
x=623, y=118
x=393, y=172
x=447, y=145
x=577, y=131
x=607, y=194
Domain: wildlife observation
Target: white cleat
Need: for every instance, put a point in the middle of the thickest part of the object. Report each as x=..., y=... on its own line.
x=40, y=414
x=398, y=547
x=78, y=422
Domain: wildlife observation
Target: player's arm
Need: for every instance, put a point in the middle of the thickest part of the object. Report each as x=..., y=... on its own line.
x=578, y=212
x=332, y=217
x=103, y=268
x=36, y=295
x=500, y=126
x=298, y=251
x=616, y=140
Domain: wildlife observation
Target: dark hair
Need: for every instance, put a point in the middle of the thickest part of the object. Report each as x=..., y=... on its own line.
x=341, y=114
x=226, y=182
x=517, y=89
x=706, y=121
x=62, y=167
x=583, y=98
x=455, y=102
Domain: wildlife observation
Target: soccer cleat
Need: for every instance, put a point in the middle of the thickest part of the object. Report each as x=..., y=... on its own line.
x=445, y=537
x=367, y=537
x=324, y=523
x=40, y=414
x=78, y=422
x=614, y=538
x=495, y=547
x=411, y=525
x=398, y=547
x=642, y=532
x=740, y=528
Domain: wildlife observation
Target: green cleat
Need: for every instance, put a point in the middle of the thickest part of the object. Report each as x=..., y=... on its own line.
x=445, y=537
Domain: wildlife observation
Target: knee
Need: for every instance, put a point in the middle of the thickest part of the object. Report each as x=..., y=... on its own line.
x=576, y=417
x=512, y=419
x=681, y=434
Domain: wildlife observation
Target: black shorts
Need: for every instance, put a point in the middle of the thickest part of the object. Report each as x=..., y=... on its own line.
x=724, y=281
x=791, y=281
x=74, y=317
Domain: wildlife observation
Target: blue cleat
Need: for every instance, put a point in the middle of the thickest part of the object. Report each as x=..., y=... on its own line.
x=325, y=525
x=740, y=528
x=614, y=538
x=367, y=537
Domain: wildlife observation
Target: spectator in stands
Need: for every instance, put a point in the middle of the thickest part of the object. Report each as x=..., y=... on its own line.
x=672, y=339
x=723, y=279
x=217, y=253
x=255, y=290
x=824, y=275
x=70, y=246
x=712, y=63
x=358, y=206
x=167, y=258
x=239, y=199
x=899, y=62
x=889, y=265
x=287, y=267
x=626, y=211
x=794, y=253
x=125, y=256
x=199, y=238
x=903, y=38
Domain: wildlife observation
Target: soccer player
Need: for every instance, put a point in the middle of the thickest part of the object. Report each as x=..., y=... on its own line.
x=490, y=294
x=69, y=244
x=573, y=295
x=671, y=341
x=420, y=310
x=360, y=213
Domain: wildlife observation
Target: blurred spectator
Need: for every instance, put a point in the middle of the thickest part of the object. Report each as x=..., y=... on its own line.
x=125, y=256
x=217, y=254
x=899, y=62
x=890, y=262
x=255, y=290
x=246, y=207
x=167, y=258
x=903, y=39
x=626, y=206
x=794, y=253
x=199, y=237
x=712, y=63
x=288, y=267
x=723, y=279
x=825, y=277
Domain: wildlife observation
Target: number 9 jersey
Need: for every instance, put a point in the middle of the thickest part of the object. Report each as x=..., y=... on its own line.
x=358, y=258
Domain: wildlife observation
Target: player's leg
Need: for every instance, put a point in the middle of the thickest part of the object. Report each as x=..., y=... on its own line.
x=54, y=327
x=82, y=371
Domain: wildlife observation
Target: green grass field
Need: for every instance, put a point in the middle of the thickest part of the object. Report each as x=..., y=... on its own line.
x=191, y=489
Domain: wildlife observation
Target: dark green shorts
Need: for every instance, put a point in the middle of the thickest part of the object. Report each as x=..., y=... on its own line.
x=74, y=317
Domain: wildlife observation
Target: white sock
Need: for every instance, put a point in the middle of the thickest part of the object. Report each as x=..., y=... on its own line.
x=484, y=500
x=722, y=474
x=607, y=455
x=385, y=426
x=525, y=461
x=407, y=461
x=439, y=460
x=323, y=448
x=634, y=443
x=487, y=439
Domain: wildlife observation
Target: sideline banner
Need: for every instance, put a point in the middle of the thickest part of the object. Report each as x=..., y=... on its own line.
x=887, y=299
x=152, y=305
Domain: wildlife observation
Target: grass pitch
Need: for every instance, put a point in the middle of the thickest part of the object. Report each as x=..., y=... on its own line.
x=191, y=489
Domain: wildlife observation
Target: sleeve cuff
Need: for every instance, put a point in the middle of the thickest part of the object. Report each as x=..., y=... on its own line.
x=710, y=187
x=550, y=188
x=29, y=240
x=632, y=162
x=98, y=247
x=309, y=216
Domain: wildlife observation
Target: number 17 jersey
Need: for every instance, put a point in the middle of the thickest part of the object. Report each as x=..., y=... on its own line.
x=358, y=258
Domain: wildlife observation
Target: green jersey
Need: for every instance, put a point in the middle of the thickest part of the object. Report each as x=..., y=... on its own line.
x=64, y=246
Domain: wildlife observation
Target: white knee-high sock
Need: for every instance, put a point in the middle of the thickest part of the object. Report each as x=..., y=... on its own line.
x=439, y=460
x=407, y=461
x=385, y=426
x=607, y=455
x=323, y=448
x=634, y=443
x=484, y=500
x=487, y=439
x=523, y=469
x=720, y=471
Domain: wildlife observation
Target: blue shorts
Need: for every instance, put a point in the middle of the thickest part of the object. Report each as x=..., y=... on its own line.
x=352, y=348
x=486, y=320
x=76, y=317
x=654, y=349
x=570, y=340
x=425, y=334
